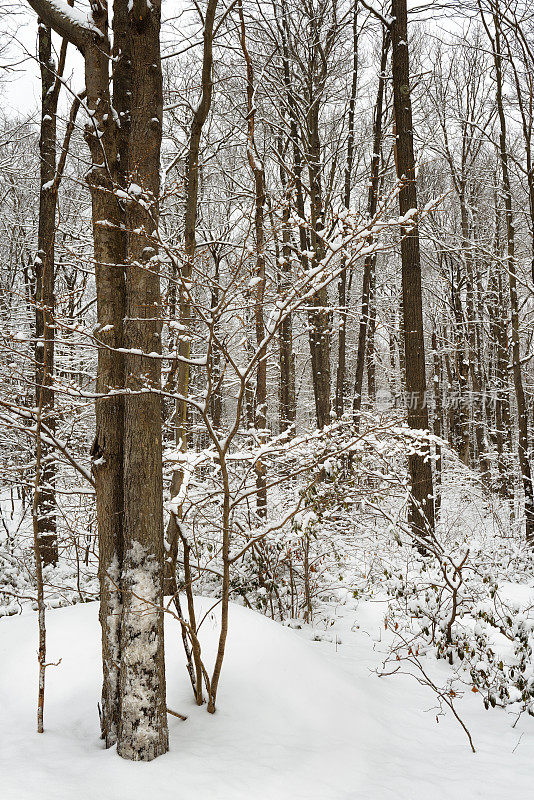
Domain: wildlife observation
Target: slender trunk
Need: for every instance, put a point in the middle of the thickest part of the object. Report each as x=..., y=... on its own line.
x=370, y=356
x=372, y=202
x=461, y=374
x=44, y=293
x=225, y=598
x=216, y=397
x=256, y=167
x=342, y=286
x=41, y=608
x=288, y=404
x=437, y=423
x=190, y=219
x=318, y=312
x=472, y=365
x=503, y=422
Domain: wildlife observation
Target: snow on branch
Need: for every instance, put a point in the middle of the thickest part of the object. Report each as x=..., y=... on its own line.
x=70, y=23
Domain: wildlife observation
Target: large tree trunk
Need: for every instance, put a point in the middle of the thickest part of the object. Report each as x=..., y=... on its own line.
x=297, y=178
x=107, y=451
x=126, y=453
x=422, y=503
x=143, y=733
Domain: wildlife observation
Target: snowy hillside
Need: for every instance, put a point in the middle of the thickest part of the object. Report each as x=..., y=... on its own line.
x=302, y=715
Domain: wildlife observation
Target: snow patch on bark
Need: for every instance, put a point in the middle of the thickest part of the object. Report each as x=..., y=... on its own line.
x=143, y=733
x=111, y=650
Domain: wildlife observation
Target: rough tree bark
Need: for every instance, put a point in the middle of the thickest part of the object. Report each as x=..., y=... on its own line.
x=143, y=733
x=422, y=504
x=107, y=450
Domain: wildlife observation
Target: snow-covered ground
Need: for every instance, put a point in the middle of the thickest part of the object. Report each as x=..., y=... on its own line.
x=301, y=715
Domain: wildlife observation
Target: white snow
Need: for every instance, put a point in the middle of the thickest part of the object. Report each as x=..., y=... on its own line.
x=74, y=16
x=296, y=719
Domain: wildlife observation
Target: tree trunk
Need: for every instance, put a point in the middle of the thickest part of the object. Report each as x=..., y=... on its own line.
x=107, y=450
x=437, y=426
x=318, y=316
x=318, y=312
x=288, y=402
x=126, y=453
x=372, y=202
x=342, y=286
x=190, y=219
x=216, y=396
x=256, y=167
x=422, y=494
x=44, y=295
x=143, y=733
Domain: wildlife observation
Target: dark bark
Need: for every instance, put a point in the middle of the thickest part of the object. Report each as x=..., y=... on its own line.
x=339, y=401
x=370, y=260
x=318, y=312
x=256, y=167
x=216, y=396
x=44, y=266
x=319, y=328
x=288, y=403
x=422, y=494
x=437, y=425
x=143, y=733
x=107, y=450
x=127, y=447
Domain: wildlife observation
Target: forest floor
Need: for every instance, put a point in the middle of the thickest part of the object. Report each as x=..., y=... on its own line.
x=302, y=714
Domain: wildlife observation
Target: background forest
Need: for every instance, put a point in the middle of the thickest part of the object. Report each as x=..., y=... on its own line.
x=267, y=343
